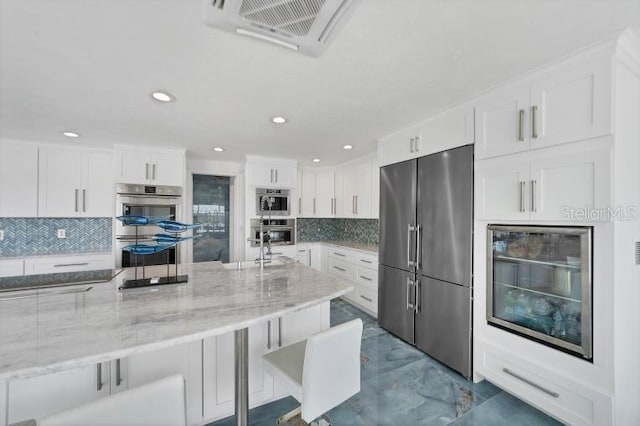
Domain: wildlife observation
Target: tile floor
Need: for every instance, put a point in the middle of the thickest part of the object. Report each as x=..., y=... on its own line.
x=403, y=386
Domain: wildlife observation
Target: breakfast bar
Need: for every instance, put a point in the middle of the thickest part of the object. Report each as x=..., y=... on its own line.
x=48, y=330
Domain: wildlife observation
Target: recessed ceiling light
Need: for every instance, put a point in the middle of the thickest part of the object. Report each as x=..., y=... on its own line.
x=218, y=149
x=279, y=120
x=71, y=134
x=316, y=160
x=347, y=147
x=163, y=97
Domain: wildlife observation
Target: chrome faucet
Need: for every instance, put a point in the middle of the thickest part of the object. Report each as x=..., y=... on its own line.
x=265, y=204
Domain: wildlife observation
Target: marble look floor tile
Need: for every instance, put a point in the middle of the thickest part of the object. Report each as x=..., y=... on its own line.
x=385, y=352
x=505, y=410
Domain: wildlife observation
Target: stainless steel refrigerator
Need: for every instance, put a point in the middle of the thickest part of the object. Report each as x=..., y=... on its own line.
x=425, y=274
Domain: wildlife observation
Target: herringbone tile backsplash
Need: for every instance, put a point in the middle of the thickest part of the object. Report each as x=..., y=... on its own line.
x=38, y=236
x=364, y=231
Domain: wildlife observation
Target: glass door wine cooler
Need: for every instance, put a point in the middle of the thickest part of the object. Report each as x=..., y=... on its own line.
x=539, y=284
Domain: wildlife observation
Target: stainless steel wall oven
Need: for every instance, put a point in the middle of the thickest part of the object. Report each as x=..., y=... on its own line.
x=281, y=231
x=539, y=284
x=144, y=200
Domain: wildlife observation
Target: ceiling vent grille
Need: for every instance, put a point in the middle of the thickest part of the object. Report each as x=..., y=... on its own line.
x=637, y=252
x=303, y=25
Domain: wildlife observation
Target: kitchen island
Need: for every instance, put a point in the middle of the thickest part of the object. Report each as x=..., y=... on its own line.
x=52, y=331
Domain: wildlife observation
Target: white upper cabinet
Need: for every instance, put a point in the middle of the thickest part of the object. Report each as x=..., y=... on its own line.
x=18, y=180
x=564, y=105
x=354, y=188
x=150, y=167
x=559, y=185
x=316, y=193
x=262, y=172
x=449, y=129
x=75, y=183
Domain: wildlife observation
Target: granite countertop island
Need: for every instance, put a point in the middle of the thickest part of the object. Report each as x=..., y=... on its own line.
x=49, y=331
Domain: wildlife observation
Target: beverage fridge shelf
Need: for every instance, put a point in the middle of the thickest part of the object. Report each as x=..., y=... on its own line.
x=540, y=292
x=538, y=262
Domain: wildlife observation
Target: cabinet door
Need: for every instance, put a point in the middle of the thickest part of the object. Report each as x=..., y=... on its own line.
x=39, y=396
x=357, y=189
x=11, y=267
x=183, y=359
x=375, y=189
x=501, y=190
x=261, y=175
x=284, y=176
x=18, y=180
x=316, y=257
x=98, y=189
x=219, y=367
x=450, y=129
x=572, y=106
x=308, y=194
x=133, y=167
x=501, y=123
x=563, y=187
x=340, y=200
x=167, y=169
x=60, y=186
x=325, y=193
x=400, y=146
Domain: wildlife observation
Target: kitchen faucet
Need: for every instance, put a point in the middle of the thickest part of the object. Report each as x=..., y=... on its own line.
x=266, y=203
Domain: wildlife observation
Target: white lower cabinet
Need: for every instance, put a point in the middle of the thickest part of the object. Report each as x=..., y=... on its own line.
x=37, y=397
x=147, y=367
x=72, y=263
x=557, y=394
x=361, y=269
x=310, y=255
x=11, y=267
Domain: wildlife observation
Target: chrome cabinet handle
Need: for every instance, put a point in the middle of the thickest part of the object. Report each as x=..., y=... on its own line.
x=411, y=148
x=418, y=245
x=339, y=254
x=530, y=383
x=99, y=376
x=366, y=298
x=271, y=178
x=522, y=196
x=356, y=204
x=276, y=175
x=534, y=121
x=84, y=200
x=299, y=205
x=410, y=283
x=76, y=199
x=146, y=170
x=416, y=144
x=269, y=335
x=366, y=278
x=153, y=171
x=533, y=195
x=410, y=228
x=118, y=375
x=366, y=261
x=416, y=297
x=314, y=206
x=340, y=269
x=309, y=256
x=521, y=125
x=280, y=332
x=62, y=265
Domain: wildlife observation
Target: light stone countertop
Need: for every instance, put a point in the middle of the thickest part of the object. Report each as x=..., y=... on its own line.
x=53, y=332
x=368, y=248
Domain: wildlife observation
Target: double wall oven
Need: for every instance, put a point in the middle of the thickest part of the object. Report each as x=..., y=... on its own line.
x=144, y=200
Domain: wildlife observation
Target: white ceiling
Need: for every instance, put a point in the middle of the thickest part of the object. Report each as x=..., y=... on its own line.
x=89, y=66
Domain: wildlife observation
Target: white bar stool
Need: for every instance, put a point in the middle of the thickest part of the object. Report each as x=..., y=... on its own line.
x=160, y=403
x=320, y=372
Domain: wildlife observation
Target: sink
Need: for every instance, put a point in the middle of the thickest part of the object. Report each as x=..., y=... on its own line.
x=251, y=264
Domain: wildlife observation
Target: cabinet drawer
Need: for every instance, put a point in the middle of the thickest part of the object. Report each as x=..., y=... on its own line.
x=11, y=268
x=367, y=278
x=367, y=298
x=367, y=260
x=341, y=269
x=56, y=264
x=560, y=396
x=343, y=255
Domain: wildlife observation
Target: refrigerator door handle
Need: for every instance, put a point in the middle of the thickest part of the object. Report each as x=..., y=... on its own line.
x=418, y=247
x=410, y=306
x=410, y=229
x=416, y=297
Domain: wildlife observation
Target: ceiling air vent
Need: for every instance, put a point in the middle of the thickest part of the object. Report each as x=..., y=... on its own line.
x=306, y=26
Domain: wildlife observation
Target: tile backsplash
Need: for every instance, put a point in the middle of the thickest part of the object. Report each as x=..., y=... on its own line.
x=356, y=230
x=38, y=236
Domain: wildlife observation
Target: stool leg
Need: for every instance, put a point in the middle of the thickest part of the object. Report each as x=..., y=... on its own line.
x=285, y=418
